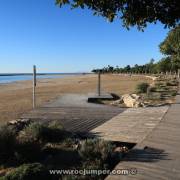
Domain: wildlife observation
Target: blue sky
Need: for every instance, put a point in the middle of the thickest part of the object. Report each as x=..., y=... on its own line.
x=63, y=40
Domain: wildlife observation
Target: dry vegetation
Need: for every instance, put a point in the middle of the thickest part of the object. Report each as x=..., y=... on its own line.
x=29, y=151
x=162, y=91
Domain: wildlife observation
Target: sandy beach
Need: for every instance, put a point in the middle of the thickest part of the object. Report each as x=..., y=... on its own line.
x=16, y=98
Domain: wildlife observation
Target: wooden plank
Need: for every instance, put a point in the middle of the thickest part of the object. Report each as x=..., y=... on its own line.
x=75, y=118
x=165, y=138
x=132, y=125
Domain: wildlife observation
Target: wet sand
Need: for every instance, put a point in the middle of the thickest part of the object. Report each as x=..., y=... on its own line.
x=16, y=98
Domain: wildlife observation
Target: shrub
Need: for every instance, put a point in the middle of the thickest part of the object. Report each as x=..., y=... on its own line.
x=142, y=87
x=93, y=149
x=7, y=143
x=33, y=171
x=174, y=93
x=35, y=132
x=73, y=177
x=32, y=139
x=28, y=151
x=159, y=84
x=56, y=132
x=30, y=142
x=55, y=125
x=94, y=165
x=172, y=83
x=152, y=89
x=52, y=132
x=69, y=143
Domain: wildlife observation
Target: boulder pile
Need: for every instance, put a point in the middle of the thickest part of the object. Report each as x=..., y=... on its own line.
x=130, y=100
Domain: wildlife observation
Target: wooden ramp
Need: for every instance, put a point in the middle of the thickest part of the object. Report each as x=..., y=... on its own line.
x=157, y=157
x=74, y=113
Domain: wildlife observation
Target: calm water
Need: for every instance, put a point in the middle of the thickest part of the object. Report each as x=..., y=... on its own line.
x=10, y=79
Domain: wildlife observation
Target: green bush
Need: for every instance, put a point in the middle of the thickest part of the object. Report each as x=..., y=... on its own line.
x=7, y=143
x=142, y=87
x=34, y=171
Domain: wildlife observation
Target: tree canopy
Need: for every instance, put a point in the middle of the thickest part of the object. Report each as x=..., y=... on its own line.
x=171, y=47
x=147, y=68
x=132, y=12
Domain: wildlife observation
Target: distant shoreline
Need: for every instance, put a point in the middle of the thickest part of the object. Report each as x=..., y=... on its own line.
x=14, y=77
x=39, y=74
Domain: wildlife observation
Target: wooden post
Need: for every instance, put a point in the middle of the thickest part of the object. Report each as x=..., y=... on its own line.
x=178, y=73
x=99, y=84
x=34, y=86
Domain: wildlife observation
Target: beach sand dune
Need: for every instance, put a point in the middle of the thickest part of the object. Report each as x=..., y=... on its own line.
x=16, y=98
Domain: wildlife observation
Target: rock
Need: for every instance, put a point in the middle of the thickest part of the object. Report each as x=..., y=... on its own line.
x=135, y=96
x=13, y=122
x=122, y=149
x=117, y=102
x=130, y=100
x=154, y=78
x=19, y=121
x=76, y=146
x=24, y=120
x=19, y=124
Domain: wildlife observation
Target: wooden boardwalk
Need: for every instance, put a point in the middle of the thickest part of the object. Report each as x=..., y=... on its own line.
x=132, y=125
x=157, y=157
x=74, y=113
x=155, y=130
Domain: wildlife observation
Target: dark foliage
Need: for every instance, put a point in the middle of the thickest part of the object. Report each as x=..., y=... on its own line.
x=132, y=13
x=142, y=87
x=7, y=143
x=34, y=171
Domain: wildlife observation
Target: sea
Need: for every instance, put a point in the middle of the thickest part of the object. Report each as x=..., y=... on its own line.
x=10, y=78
